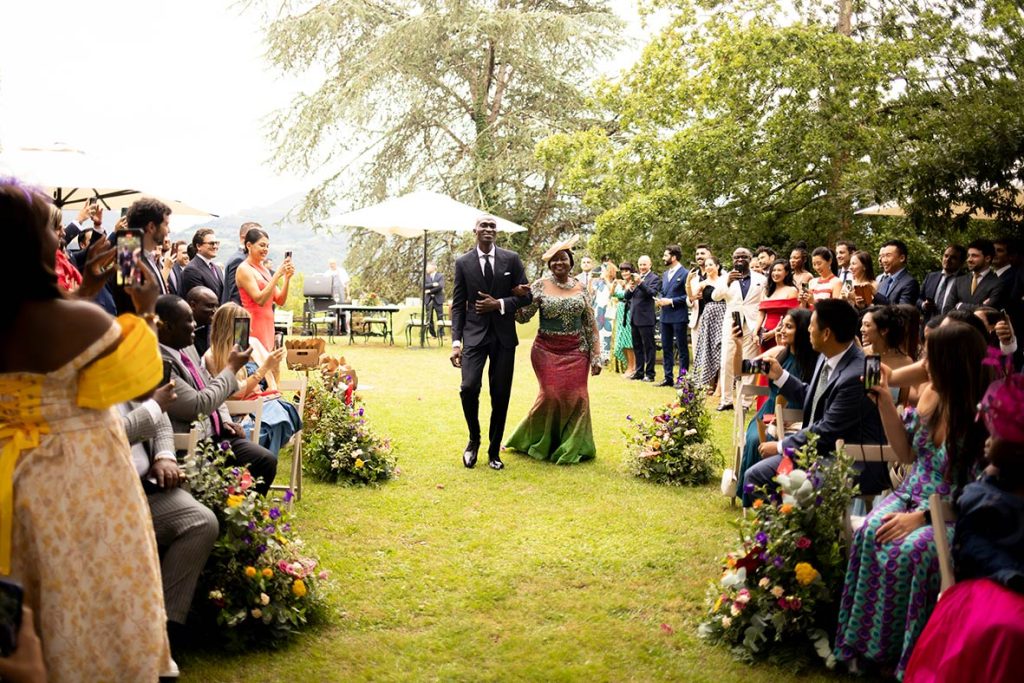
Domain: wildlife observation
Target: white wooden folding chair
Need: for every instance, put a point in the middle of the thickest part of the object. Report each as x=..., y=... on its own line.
x=298, y=385
x=252, y=407
x=866, y=452
x=739, y=427
x=942, y=513
x=187, y=442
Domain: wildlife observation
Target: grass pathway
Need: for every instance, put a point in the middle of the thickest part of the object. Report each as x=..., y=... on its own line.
x=534, y=573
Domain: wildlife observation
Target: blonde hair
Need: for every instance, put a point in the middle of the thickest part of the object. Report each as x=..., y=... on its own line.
x=222, y=331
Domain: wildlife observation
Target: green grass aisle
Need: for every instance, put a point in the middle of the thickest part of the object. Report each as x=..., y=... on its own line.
x=534, y=573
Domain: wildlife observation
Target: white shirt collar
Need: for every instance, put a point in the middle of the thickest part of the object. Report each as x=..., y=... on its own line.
x=672, y=271
x=833, y=361
x=1002, y=270
x=207, y=261
x=983, y=273
x=480, y=254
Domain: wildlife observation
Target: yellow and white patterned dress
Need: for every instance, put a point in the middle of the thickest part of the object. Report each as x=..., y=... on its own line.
x=82, y=541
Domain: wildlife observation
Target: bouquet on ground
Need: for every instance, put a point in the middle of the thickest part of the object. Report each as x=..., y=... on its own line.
x=778, y=594
x=674, y=445
x=338, y=443
x=261, y=584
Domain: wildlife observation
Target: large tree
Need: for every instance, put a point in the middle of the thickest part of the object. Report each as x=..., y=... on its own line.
x=450, y=96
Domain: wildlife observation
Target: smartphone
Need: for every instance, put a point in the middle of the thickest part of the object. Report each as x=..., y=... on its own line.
x=737, y=320
x=167, y=372
x=241, y=333
x=278, y=340
x=128, y=245
x=124, y=211
x=872, y=370
x=754, y=367
x=805, y=285
x=288, y=254
x=11, y=597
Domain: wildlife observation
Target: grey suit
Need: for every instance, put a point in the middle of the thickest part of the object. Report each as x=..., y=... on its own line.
x=185, y=528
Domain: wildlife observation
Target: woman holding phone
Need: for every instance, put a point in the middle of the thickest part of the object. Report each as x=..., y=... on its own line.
x=259, y=289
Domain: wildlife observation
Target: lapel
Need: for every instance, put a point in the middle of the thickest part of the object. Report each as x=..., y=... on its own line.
x=809, y=395
x=155, y=272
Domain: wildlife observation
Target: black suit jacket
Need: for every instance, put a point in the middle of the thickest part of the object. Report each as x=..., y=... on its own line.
x=197, y=274
x=174, y=281
x=989, y=292
x=230, y=292
x=434, y=288
x=929, y=290
x=467, y=326
x=904, y=289
x=641, y=299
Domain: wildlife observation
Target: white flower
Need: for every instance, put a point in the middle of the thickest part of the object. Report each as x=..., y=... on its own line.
x=358, y=451
x=256, y=613
x=335, y=464
x=734, y=610
x=216, y=595
x=264, y=599
x=726, y=622
x=734, y=578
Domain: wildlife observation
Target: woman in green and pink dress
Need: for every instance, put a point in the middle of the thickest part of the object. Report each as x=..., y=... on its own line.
x=565, y=353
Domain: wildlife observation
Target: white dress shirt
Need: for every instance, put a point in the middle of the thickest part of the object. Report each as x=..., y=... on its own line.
x=832, y=362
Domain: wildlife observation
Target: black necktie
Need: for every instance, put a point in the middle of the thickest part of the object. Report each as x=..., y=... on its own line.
x=488, y=271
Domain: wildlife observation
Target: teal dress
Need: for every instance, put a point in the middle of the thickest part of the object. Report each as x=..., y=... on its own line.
x=750, y=454
x=623, y=334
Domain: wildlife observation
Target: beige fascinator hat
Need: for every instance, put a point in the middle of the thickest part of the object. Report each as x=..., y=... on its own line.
x=564, y=245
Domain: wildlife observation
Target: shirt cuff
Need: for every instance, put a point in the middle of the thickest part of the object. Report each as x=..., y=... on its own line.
x=1009, y=349
x=153, y=408
x=165, y=455
x=783, y=378
x=501, y=306
x=457, y=344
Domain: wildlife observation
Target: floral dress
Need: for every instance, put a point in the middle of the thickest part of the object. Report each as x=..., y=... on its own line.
x=558, y=426
x=891, y=589
x=604, y=313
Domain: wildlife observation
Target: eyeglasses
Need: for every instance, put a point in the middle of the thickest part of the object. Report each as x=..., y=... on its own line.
x=215, y=243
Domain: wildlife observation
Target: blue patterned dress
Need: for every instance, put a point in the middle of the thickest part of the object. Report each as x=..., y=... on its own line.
x=890, y=590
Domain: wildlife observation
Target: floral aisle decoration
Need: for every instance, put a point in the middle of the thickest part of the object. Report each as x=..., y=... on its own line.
x=261, y=584
x=778, y=594
x=674, y=445
x=338, y=443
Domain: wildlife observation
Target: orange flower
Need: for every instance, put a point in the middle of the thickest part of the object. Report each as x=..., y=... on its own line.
x=250, y=572
x=268, y=572
x=786, y=508
x=758, y=503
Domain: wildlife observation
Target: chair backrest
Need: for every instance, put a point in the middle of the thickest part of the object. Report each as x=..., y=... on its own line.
x=868, y=452
x=299, y=385
x=252, y=407
x=942, y=513
x=187, y=442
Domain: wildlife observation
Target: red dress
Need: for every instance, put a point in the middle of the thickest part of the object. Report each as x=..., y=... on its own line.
x=262, y=326
x=775, y=310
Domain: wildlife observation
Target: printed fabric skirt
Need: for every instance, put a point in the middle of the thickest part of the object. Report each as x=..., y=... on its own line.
x=557, y=427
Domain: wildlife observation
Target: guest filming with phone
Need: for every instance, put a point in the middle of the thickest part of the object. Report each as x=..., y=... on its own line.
x=260, y=290
x=147, y=220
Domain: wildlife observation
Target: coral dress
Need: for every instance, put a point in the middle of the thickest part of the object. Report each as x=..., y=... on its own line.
x=775, y=309
x=262, y=326
x=82, y=542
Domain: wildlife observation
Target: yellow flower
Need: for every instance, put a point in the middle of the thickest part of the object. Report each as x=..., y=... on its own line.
x=359, y=463
x=299, y=588
x=250, y=572
x=786, y=508
x=806, y=574
x=718, y=603
x=257, y=613
x=235, y=500
x=655, y=444
x=267, y=572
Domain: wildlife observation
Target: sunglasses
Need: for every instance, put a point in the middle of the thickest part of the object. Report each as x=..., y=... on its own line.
x=215, y=243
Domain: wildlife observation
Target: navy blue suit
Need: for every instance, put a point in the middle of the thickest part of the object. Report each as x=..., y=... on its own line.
x=901, y=289
x=674, y=323
x=641, y=308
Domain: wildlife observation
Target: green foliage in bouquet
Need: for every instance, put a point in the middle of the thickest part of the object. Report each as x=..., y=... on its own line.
x=778, y=594
x=260, y=585
x=338, y=443
x=675, y=445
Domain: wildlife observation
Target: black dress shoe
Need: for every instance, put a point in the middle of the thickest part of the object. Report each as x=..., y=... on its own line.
x=469, y=455
x=495, y=463
x=664, y=383
x=727, y=406
x=637, y=377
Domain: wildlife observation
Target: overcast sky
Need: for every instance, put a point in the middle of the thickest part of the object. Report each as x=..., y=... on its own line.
x=176, y=90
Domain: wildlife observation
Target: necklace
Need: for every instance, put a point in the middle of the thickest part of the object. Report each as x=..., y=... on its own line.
x=568, y=284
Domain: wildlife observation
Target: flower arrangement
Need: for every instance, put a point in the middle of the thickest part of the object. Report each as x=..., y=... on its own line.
x=371, y=299
x=338, y=443
x=260, y=584
x=675, y=445
x=778, y=595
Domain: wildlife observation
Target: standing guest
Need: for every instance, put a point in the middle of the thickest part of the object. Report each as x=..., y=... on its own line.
x=65, y=459
x=258, y=288
x=883, y=332
x=826, y=285
x=565, y=353
x=844, y=252
x=433, y=292
x=586, y=276
x=897, y=285
x=798, y=263
x=202, y=271
x=741, y=290
x=939, y=284
x=340, y=279
x=199, y=394
x=641, y=292
x=764, y=257
x=780, y=296
x=152, y=218
x=1002, y=261
x=230, y=292
x=701, y=253
x=708, y=341
x=980, y=286
x=68, y=276
x=674, y=315
x=178, y=261
x=863, y=289
x=892, y=579
x=203, y=303
x=490, y=285
x=602, y=288
x=623, y=329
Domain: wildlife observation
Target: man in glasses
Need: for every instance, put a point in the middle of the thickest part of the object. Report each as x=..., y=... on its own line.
x=202, y=271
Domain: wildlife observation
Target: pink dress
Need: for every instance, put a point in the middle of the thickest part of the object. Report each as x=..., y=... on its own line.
x=262, y=326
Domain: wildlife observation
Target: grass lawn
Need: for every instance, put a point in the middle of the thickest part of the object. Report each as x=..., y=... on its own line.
x=538, y=572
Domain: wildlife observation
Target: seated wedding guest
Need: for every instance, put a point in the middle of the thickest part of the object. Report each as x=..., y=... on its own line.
x=977, y=630
x=203, y=302
x=798, y=265
x=201, y=396
x=897, y=285
x=623, y=344
x=892, y=579
x=258, y=289
x=66, y=460
x=938, y=285
x=201, y=270
x=708, y=340
x=185, y=528
x=834, y=402
x=826, y=285
x=883, y=332
x=780, y=295
x=980, y=286
x=258, y=379
x=862, y=290
x=796, y=355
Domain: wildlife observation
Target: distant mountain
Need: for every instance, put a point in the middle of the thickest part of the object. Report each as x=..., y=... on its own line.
x=311, y=250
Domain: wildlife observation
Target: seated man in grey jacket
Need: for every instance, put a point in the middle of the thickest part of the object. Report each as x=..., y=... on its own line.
x=200, y=395
x=185, y=528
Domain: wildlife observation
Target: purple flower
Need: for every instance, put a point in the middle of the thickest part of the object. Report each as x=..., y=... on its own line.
x=269, y=529
x=247, y=539
x=262, y=549
x=275, y=512
x=251, y=526
x=224, y=445
x=818, y=501
x=360, y=412
x=748, y=488
x=761, y=538
x=235, y=471
x=629, y=417
x=789, y=450
x=778, y=561
x=288, y=495
x=285, y=528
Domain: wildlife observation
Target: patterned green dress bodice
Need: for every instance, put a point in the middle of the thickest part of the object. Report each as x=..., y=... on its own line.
x=568, y=315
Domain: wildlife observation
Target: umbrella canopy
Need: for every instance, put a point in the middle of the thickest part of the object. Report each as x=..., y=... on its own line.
x=958, y=209
x=415, y=213
x=73, y=178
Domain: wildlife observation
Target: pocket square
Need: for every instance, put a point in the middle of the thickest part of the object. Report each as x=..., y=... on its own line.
x=507, y=273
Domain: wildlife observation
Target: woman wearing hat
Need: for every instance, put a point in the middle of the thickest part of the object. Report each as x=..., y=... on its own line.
x=565, y=352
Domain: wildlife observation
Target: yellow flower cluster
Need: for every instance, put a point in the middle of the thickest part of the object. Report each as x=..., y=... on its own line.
x=806, y=574
x=267, y=572
x=250, y=572
x=359, y=463
x=299, y=588
x=235, y=500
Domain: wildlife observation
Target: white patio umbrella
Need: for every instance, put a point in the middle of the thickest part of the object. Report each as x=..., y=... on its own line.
x=892, y=208
x=72, y=178
x=416, y=214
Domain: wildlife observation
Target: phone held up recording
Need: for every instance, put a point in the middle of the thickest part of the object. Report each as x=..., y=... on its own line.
x=128, y=247
x=241, y=333
x=872, y=371
x=755, y=366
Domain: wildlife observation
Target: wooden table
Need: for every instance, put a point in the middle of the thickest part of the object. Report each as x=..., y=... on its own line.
x=388, y=330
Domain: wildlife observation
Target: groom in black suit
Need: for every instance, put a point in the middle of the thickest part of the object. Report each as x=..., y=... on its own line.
x=490, y=284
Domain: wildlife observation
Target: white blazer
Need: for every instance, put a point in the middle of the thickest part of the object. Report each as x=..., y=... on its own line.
x=734, y=300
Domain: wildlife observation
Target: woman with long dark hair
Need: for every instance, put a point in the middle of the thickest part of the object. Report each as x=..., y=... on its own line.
x=798, y=262
x=780, y=296
x=892, y=579
x=883, y=332
x=259, y=289
x=862, y=290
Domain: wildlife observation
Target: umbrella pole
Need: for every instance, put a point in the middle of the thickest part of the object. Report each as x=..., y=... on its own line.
x=423, y=296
